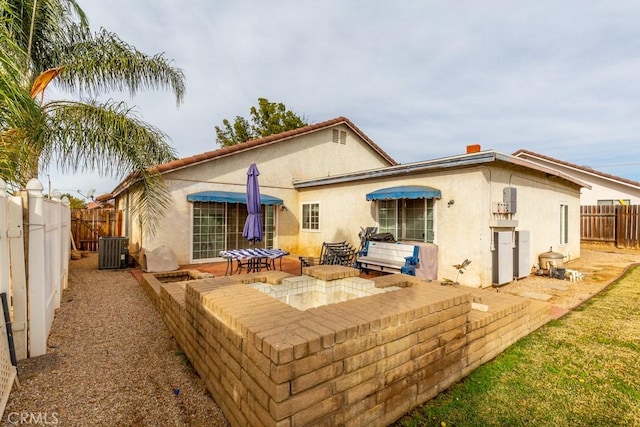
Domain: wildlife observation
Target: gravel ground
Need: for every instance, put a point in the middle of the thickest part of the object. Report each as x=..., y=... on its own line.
x=110, y=362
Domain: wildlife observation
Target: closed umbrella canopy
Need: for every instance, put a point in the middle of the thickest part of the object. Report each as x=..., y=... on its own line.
x=253, y=225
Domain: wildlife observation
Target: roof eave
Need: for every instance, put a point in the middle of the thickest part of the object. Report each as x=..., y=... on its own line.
x=578, y=168
x=459, y=161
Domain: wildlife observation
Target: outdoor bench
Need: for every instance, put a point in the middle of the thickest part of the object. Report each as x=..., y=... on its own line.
x=389, y=257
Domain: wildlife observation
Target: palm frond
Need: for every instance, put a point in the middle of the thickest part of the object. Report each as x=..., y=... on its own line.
x=107, y=138
x=42, y=81
x=102, y=62
x=151, y=200
x=14, y=98
x=17, y=160
x=37, y=26
x=44, y=41
x=21, y=119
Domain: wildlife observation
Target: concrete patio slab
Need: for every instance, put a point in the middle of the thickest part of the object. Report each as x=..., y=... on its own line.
x=536, y=295
x=555, y=287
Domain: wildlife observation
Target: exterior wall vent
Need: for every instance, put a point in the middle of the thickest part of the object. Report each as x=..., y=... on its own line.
x=339, y=136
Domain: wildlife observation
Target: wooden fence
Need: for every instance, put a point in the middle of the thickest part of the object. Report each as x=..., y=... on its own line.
x=88, y=225
x=618, y=224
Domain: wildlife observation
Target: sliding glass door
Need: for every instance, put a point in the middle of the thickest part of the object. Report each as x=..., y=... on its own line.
x=218, y=226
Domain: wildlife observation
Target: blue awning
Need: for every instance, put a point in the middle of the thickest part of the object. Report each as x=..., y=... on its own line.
x=230, y=197
x=405, y=192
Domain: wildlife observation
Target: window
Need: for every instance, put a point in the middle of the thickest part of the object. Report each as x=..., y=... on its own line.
x=407, y=219
x=218, y=226
x=311, y=216
x=564, y=224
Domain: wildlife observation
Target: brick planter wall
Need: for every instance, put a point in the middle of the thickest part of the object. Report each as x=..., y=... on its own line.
x=364, y=361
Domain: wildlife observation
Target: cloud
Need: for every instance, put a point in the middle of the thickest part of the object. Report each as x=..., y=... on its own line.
x=423, y=79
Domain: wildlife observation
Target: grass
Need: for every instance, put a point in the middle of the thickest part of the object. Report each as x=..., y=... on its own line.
x=581, y=370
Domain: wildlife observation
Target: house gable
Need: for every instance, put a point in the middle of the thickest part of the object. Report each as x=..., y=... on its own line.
x=325, y=149
x=464, y=207
x=602, y=186
x=339, y=131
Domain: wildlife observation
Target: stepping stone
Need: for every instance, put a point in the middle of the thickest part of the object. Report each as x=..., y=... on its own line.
x=556, y=287
x=536, y=295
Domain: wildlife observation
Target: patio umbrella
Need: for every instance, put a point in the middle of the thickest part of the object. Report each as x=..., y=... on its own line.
x=253, y=225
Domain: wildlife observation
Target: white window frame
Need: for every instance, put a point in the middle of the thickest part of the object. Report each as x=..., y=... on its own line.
x=270, y=232
x=564, y=224
x=302, y=217
x=400, y=222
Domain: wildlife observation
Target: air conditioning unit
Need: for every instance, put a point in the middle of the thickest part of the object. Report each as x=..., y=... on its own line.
x=112, y=252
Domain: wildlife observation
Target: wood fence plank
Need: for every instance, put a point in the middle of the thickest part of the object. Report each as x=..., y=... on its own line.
x=88, y=225
x=612, y=224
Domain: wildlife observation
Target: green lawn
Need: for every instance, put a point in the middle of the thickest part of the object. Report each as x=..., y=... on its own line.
x=581, y=370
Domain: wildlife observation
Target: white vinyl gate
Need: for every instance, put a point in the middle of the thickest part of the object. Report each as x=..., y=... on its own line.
x=45, y=224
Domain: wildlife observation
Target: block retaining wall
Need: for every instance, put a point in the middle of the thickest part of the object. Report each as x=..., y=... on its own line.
x=363, y=361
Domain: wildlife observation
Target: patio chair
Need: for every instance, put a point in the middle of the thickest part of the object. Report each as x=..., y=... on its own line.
x=339, y=253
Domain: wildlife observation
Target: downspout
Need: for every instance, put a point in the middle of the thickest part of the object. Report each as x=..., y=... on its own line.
x=491, y=244
x=128, y=215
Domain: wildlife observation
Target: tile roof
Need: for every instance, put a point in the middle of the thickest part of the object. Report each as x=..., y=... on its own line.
x=585, y=169
x=254, y=143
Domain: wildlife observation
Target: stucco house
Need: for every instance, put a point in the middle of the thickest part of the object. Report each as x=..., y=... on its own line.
x=208, y=189
x=461, y=202
x=605, y=189
x=323, y=182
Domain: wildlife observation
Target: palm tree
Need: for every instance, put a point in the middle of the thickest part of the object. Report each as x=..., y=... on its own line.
x=45, y=42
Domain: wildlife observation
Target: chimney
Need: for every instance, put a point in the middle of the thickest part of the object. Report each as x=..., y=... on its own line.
x=475, y=148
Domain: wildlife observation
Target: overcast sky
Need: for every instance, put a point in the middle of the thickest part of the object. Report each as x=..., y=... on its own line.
x=423, y=79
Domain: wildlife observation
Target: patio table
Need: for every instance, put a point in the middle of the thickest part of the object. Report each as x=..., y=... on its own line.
x=252, y=259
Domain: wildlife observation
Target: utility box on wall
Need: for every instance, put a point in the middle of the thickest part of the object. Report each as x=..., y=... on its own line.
x=510, y=199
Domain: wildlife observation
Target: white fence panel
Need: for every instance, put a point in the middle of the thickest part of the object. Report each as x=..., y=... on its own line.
x=64, y=244
x=5, y=276
x=18, y=277
x=47, y=269
x=8, y=372
x=33, y=302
